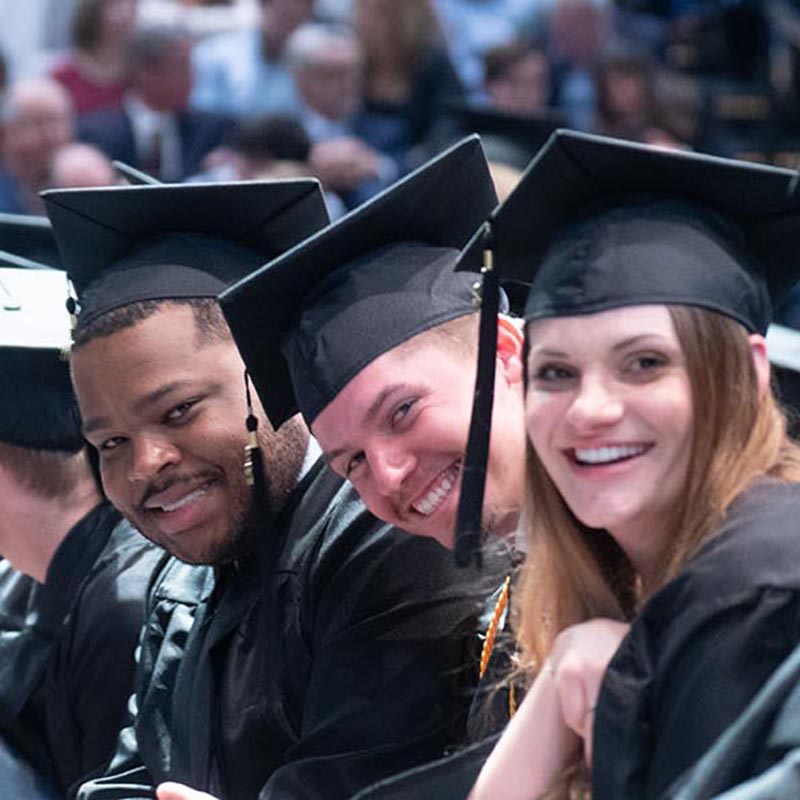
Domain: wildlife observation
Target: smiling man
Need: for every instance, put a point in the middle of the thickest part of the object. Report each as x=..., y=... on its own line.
x=321, y=650
x=377, y=339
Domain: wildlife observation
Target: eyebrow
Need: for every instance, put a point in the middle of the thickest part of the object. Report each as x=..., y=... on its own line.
x=372, y=412
x=625, y=343
x=141, y=405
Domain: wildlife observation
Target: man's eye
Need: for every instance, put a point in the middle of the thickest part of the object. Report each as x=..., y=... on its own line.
x=179, y=411
x=402, y=410
x=109, y=444
x=353, y=463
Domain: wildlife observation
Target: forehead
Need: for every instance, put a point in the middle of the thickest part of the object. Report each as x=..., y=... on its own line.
x=164, y=345
x=607, y=328
x=426, y=360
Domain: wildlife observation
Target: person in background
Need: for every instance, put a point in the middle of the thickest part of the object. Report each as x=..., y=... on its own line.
x=93, y=72
x=37, y=119
x=154, y=130
x=244, y=73
x=516, y=78
x=79, y=165
x=627, y=105
x=472, y=27
x=66, y=676
x=271, y=147
x=578, y=32
x=407, y=73
x=325, y=61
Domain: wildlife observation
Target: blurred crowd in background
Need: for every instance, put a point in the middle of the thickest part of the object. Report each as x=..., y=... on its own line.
x=358, y=92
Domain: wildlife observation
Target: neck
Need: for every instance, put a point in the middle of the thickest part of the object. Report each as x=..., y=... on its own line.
x=644, y=548
x=33, y=528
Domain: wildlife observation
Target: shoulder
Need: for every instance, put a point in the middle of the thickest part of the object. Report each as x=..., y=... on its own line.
x=121, y=574
x=756, y=548
x=177, y=582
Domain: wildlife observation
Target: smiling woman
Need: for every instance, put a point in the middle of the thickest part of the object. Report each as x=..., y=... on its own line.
x=662, y=583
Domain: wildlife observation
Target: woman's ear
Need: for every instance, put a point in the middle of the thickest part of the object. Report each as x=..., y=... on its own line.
x=509, y=348
x=758, y=348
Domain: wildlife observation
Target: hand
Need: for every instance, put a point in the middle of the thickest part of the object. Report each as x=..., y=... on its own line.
x=177, y=791
x=576, y=664
x=342, y=164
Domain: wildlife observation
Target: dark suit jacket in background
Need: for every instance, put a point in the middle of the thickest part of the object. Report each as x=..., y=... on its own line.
x=111, y=130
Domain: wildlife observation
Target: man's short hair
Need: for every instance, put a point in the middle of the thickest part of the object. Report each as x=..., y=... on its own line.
x=208, y=318
x=459, y=334
x=47, y=473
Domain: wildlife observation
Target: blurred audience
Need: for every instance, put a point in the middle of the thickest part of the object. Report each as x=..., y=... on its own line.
x=517, y=78
x=627, y=105
x=407, y=73
x=154, y=130
x=37, y=119
x=327, y=65
x=80, y=165
x=472, y=27
x=244, y=72
x=578, y=32
x=93, y=72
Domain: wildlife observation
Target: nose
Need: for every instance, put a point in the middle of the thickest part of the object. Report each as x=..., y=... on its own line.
x=390, y=466
x=151, y=455
x=597, y=404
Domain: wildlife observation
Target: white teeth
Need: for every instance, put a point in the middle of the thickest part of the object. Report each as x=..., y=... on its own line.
x=605, y=455
x=428, y=504
x=185, y=500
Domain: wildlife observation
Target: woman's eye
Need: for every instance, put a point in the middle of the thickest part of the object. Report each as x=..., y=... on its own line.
x=354, y=462
x=553, y=372
x=647, y=362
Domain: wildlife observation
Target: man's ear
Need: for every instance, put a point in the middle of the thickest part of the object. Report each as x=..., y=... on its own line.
x=509, y=348
x=758, y=349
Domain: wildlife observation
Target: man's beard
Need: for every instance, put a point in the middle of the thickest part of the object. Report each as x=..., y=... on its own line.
x=249, y=525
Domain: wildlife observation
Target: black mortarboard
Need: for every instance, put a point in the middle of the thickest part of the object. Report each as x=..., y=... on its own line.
x=308, y=322
x=37, y=408
x=125, y=244
x=28, y=238
x=598, y=223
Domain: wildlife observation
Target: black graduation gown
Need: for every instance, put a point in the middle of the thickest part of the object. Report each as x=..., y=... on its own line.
x=701, y=648
x=758, y=757
x=452, y=777
x=333, y=658
x=66, y=677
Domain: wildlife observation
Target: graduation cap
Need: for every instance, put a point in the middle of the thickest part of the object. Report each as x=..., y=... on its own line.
x=372, y=280
x=597, y=223
x=27, y=241
x=37, y=408
x=125, y=244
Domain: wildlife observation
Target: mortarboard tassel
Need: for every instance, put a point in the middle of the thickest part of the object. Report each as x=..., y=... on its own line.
x=253, y=458
x=473, y=481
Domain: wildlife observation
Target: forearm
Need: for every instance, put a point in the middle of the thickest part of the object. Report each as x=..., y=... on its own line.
x=523, y=766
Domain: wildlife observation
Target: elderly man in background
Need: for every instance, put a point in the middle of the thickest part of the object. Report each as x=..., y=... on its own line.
x=37, y=120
